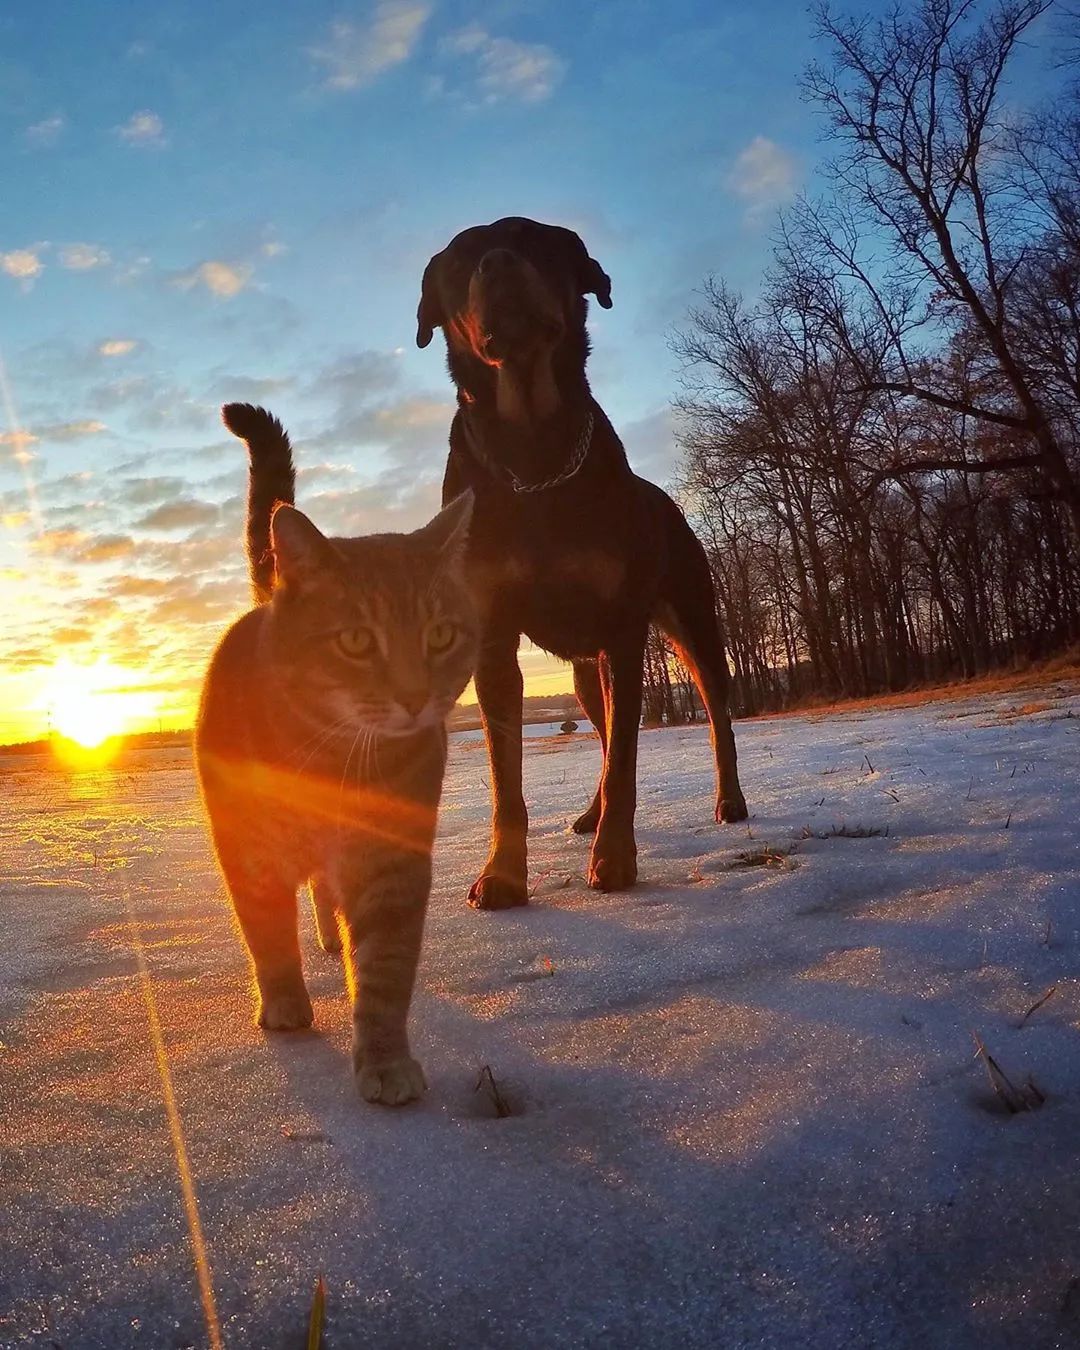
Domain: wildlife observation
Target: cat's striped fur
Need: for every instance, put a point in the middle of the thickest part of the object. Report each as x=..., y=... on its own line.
x=321, y=747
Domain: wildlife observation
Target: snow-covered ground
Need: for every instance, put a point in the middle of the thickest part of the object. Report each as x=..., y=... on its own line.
x=745, y=1105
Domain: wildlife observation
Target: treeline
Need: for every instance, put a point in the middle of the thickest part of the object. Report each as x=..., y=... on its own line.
x=882, y=453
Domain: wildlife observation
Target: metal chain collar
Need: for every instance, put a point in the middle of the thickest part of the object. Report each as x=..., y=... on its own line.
x=573, y=465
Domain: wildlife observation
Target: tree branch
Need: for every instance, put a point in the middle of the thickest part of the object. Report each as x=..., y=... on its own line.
x=1004, y=464
x=954, y=405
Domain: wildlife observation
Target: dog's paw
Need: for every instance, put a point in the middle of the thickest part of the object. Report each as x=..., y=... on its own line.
x=493, y=892
x=731, y=809
x=330, y=942
x=614, y=870
x=289, y=1011
x=587, y=822
x=393, y=1084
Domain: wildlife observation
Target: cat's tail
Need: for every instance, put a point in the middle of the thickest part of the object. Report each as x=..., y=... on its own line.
x=271, y=479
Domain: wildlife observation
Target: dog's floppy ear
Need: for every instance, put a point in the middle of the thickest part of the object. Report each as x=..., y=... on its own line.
x=429, y=314
x=595, y=281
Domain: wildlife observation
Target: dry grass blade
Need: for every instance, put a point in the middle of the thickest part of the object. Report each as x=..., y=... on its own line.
x=487, y=1080
x=765, y=856
x=1015, y=1099
x=315, y=1322
x=1039, y=1002
x=845, y=831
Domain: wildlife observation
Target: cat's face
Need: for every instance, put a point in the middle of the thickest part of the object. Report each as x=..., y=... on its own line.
x=376, y=635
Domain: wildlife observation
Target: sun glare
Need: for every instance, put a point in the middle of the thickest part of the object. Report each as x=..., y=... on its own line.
x=91, y=704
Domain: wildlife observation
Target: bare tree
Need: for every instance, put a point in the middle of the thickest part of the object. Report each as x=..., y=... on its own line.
x=930, y=161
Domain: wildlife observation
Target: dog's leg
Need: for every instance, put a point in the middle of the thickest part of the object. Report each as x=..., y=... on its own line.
x=504, y=881
x=591, y=697
x=613, y=865
x=688, y=617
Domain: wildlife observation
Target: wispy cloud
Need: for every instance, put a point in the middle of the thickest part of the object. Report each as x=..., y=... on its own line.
x=48, y=131
x=23, y=264
x=220, y=278
x=763, y=174
x=70, y=431
x=116, y=346
x=181, y=514
x=144, y=128
x=22, y=438
x=19, y=442
x=504, y=69
x=105, y=548
x=355, y=54
x=83, y=257
x=53, y=542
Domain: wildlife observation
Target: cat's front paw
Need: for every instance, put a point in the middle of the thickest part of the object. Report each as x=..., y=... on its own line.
x=392, y=1084
x=287, y=1011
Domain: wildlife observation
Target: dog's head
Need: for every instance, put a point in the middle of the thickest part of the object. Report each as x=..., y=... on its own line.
x=510, y=295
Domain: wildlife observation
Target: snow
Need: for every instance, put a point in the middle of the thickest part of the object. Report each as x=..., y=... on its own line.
x=746, y=1108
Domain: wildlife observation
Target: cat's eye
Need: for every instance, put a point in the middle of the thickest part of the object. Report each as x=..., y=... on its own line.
x=356, y=642
x=441, y=636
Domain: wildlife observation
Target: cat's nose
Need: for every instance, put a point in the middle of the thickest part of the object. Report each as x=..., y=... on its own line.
x=414, y=702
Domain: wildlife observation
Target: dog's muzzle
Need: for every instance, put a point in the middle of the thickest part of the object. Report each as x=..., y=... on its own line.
x=509, y=306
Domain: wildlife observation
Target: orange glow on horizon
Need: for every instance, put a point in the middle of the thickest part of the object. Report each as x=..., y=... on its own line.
x=73, y=755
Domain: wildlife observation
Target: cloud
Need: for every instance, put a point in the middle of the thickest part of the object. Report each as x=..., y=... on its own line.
x=153, y=402
x=352, y=379
x=183, y=514
x=411, y=431
x=386, y=504
x=70, y=431
x=526, y=72
x=104, y=548
x=46, y=132
x=149, y=491
x=71, y=637
x=23, y=264
x=52, y=542
x=20, y=440
x=651, y=446
x=222, y=279
x=249, y=388
x=116, y=346
x=355, y=54
x=143, y=128
x=763, y=173
x=83, y=257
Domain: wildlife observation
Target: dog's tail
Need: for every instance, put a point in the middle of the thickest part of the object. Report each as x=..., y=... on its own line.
x=271, y=479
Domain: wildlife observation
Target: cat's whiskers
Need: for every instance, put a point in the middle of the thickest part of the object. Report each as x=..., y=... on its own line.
x=321, y=738
x=370, y=756
x=345, y=771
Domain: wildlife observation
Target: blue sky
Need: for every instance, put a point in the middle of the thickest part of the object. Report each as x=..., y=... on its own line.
x=236, y=201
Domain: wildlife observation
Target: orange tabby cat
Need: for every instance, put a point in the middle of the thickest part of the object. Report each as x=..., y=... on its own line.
x=321, y=747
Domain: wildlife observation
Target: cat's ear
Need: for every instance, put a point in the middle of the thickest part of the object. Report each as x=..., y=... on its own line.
x=302, y=553
x=449, y=531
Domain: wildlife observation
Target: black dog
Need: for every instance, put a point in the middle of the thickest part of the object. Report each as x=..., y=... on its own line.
x=567, y=544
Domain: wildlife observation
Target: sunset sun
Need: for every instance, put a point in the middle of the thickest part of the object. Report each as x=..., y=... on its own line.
x=91, y=704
